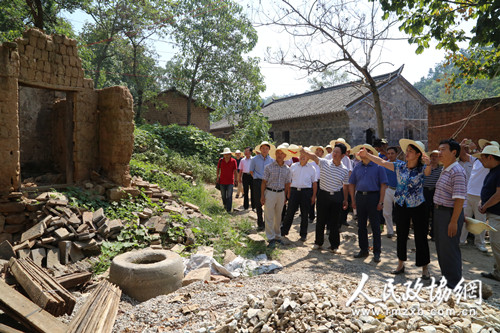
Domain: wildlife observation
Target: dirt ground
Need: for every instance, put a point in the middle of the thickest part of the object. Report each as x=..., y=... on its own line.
x=296, y=255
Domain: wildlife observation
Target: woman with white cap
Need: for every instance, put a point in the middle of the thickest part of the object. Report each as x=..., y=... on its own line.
x=409, y=202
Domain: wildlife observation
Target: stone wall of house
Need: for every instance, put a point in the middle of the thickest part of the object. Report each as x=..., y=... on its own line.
x=170, y=108
x=116, y=133
x=49, y=61
x=445, y=119
x=405, y=115
x=9, y=124
x=314, y=130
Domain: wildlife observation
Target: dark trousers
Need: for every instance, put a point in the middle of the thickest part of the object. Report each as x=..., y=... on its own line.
x=258, y=207
x=297, y=199
x=312, y=215
x=447, y=248
x=328, y=208
x=429, y=207
x=247, y=185
x=404, y=215
x=367, y=208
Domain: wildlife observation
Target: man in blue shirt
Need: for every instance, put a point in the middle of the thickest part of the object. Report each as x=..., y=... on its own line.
x=369, y=181
x=257, y=167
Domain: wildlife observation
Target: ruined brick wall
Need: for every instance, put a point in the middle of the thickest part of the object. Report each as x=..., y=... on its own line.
x=404, y=113
x=315, y=130
x=170, y=108
x=9, y=119
x=445, y=119
x=49, y=61
x=86, y=132
x=116, y=133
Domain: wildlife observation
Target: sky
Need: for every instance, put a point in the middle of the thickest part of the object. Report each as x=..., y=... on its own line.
x=283, y=80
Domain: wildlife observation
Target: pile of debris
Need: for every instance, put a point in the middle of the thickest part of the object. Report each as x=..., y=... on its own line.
x=321, y=307
x=52, y=232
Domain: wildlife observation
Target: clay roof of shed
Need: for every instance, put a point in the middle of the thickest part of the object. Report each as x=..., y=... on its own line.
x=318, y=102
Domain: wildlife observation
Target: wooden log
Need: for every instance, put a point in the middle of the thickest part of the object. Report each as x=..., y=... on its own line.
x=98, y=313
x=15, y=305
x=74, y=279
x=42, y=288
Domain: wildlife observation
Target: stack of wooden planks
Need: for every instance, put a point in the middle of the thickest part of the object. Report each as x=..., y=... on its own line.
x=42, y=288
x=98, y=313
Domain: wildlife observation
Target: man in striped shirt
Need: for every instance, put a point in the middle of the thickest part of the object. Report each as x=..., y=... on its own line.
x=332, y=197
x=449, y=198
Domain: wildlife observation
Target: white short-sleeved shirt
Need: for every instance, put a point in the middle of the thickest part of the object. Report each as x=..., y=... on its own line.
x=245, y=164
x=303, y=176
x=476, y=179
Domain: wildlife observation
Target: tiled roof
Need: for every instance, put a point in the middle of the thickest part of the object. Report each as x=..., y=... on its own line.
x=318, y=102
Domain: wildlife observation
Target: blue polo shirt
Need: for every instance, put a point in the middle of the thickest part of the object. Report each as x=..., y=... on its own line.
x=490, y=184
x=392, y=179
x=368, y=177
x=258, y=164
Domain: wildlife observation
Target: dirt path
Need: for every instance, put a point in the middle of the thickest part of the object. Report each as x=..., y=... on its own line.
x=299, y=256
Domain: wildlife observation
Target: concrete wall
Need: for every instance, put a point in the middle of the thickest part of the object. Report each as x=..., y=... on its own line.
x=170, y=108
x=445, y=119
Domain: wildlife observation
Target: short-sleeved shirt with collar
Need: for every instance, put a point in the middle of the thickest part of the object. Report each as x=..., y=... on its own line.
x=451, y=185
x=410, y=187
x=277, y=176
x=368, y=177
x=303, y=176
x=258, y=165
x=332, y=177
x=490, y=185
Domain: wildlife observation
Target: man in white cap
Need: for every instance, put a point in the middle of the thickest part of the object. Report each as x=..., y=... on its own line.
x=257, y=167
x=474, y=185
x=275, y=184
x=490, y=202
x=227, y=177
x=302, y=194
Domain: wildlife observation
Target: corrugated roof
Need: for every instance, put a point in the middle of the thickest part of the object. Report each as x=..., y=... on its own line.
x=318, y=102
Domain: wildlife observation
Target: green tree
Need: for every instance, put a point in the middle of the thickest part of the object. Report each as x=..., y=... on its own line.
x=17, y=15
x=251, y=131
x=434, y=86
x=209, y=67
x=327, y=78
x=440, y=20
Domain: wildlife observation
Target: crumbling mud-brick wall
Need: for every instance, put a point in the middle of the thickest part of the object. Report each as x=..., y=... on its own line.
x=9, y=119
x=116, y=133
x=51, y=62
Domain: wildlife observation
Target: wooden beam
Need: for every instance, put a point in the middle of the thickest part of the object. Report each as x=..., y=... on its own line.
x=74, y=279
x=28, y=313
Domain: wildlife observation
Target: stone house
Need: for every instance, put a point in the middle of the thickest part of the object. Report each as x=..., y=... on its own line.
x=52, y=120
x=345, y=110
x=474, y=119
x=169, y=107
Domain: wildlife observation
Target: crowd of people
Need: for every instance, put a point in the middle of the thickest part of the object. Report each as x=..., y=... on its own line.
x=436, y=193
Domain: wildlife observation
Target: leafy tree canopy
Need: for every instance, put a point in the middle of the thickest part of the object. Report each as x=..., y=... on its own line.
x=440, y=20
x=210, y=67
x=436, y=88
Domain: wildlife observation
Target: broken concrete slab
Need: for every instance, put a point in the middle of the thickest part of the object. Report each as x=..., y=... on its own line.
x=98, y=215
x=229, y=256
x=38, y=255
x=62, y=234
x=64, y=250
x=173, y=209
x=75, y=253
x=23, y=253
x=256, y=238
x=53, y=258
x=34, y=232
x=6, y=250
x=178, y=248
x=115, y=225
x=200, y=274
x=87, y=217
x=206, y=251
x=193, y=207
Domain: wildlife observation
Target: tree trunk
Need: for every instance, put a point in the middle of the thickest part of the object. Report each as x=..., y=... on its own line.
x=372, y=85
x=36, y=10
x=99, y=61
x=191, y=89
